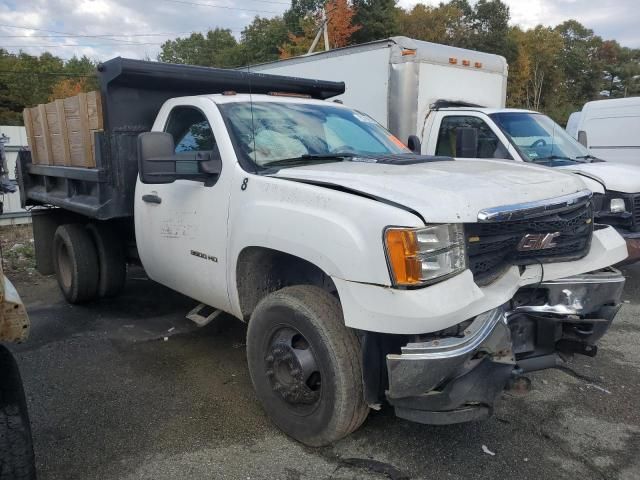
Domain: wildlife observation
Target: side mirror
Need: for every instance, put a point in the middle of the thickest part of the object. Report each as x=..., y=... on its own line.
x=582, y=138
x=158, y=162
x=414, y=144
x=467, y=142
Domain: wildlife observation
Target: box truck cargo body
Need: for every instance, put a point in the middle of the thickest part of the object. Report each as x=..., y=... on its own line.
x=401, y=70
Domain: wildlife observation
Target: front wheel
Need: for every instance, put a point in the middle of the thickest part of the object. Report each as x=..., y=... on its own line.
x=306, y=366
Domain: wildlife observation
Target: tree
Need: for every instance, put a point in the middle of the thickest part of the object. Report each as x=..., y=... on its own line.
x=69, y=87
x=442, y=24
x=340, y=23
x=490, y=24
x=299, y=44
x=218, y=48
x=543, y=46
x=579, y=61
x=379, y=19
x=261, y=39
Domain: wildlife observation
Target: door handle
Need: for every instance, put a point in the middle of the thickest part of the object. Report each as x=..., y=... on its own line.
x=151, y=198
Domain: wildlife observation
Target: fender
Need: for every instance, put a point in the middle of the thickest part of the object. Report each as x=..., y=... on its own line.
x=339, y=232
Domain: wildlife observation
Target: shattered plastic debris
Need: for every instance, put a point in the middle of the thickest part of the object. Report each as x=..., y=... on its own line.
x=487, y=451
x=171, y=329
x=598, y=387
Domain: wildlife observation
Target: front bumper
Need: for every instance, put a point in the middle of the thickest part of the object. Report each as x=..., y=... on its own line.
x=458, y=378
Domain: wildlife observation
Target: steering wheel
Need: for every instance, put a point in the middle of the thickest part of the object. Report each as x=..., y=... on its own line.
x=538, y=143
x=343, y=149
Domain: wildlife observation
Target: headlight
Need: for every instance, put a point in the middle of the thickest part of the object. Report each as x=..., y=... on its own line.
x=419, y=256
x=617, y=205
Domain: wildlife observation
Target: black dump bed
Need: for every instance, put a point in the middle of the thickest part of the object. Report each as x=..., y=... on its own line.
x=132, y=93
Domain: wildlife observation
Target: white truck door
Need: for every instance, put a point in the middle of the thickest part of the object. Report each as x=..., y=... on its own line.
x=181, y=227
x=491, y=141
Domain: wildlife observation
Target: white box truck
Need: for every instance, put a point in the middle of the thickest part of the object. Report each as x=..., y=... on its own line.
x=451, y=101
x=366, y=273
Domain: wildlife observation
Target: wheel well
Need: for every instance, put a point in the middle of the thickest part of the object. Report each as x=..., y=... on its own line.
x=261, y=271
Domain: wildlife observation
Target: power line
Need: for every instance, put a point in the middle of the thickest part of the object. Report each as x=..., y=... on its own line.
x=81, y=45
x=21, y=27
x=184, y=2
x=98, y=36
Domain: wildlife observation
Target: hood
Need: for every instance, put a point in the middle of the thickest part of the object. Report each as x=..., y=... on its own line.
x=616, y=177
x=447, y=191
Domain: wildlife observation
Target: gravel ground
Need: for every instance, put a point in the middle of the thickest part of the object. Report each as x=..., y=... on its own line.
x=129, y=389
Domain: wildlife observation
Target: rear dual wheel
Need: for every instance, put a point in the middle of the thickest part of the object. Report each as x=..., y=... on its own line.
x=89, y=262
x=305, y=365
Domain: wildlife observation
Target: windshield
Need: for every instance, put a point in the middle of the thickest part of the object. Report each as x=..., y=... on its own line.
x=268, y=132
x=538, y=137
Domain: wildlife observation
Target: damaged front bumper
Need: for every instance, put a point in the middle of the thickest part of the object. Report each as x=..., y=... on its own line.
x=456, y=378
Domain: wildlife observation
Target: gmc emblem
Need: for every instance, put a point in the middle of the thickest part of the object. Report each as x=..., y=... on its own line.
x=537, y=241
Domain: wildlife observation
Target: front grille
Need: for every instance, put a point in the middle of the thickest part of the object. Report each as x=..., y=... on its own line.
x=636, y=210
x=493, y=247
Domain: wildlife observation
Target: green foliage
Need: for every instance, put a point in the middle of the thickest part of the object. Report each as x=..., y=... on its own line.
x=379, y=19
x=218, y=48
x=261, y=40
x=26, y=80
x=553, y=69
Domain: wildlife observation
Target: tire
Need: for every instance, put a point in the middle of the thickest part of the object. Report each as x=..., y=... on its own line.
x=76, y=263
x=306, y=366
x=16, y=445
x=112, y=266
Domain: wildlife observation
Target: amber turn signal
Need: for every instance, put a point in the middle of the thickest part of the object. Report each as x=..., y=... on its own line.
x=402, y=251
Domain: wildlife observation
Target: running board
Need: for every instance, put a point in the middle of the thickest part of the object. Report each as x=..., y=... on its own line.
x=203, y=314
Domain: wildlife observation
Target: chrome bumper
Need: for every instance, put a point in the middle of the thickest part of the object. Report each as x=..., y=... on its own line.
x=423, y=366
x=457, y=378
x=579, y=295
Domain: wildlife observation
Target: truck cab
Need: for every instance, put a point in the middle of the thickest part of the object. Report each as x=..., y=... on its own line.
x=467, y=131
x=367, y=273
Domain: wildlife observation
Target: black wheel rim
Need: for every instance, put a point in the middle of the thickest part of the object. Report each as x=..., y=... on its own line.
x=292, y=370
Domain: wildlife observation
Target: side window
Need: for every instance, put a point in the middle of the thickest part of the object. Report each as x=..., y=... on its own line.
x=191, y=130
x=489, y=146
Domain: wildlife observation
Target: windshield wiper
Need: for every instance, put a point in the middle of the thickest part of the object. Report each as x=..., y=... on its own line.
x=590, y=158
x=553, y=157
x=304, y=159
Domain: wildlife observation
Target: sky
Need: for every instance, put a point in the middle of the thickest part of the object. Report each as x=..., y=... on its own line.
x=103, y=29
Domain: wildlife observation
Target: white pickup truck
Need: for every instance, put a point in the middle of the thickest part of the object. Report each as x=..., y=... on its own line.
x=367, y=274
x=451, y=102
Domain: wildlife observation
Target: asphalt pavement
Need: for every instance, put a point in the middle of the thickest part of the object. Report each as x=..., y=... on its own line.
x=129, y=389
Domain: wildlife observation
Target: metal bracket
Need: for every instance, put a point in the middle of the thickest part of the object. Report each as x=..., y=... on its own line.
x=203, y=315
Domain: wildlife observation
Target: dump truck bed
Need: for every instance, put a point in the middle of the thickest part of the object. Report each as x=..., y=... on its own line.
x=98, y=180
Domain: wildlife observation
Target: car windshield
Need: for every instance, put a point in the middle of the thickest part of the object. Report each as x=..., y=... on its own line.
x=301, y=133
x=539, y=138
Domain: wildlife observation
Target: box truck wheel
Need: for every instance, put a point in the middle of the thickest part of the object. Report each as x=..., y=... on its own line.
x=306, y=366
x=112, y=266
x=76, y=263
x=16, y=447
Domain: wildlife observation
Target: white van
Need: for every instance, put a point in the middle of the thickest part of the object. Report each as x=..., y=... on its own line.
x=610, y=129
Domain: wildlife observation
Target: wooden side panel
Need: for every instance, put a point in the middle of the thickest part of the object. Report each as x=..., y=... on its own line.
x=61, y=132
x=46, y=137
x=31, y=139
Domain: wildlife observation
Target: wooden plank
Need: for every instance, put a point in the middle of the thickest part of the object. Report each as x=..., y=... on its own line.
x=46, y=139
x=31, y=140
x=99, y=111
x=86, y=133
x=64, y=133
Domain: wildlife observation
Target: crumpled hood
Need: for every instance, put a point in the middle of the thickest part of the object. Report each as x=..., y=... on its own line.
x=617, y=177
x=444, y=191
